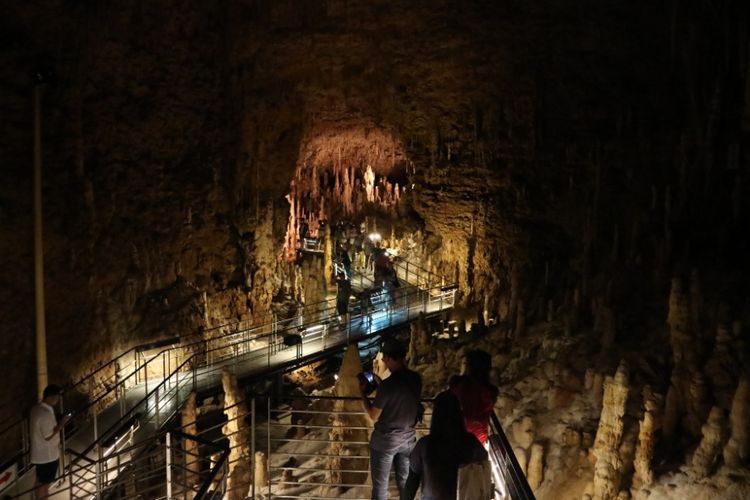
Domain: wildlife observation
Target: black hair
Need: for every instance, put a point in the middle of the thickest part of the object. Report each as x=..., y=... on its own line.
x=51, y=390
x=447, y=419
x=478, y=365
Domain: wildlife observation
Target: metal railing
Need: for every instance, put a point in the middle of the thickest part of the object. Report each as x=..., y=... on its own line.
x=261, y=345
x=505, y=467
x=203, y=368
x=152, y=468
x=318, y=447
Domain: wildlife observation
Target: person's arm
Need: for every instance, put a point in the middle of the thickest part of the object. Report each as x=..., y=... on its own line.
x=371, y=410
x=412, y=484
x=59, y=427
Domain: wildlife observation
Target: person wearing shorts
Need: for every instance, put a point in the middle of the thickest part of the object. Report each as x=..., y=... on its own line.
x=45, y=439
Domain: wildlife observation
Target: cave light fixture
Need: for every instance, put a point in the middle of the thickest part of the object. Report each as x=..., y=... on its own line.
x=375, y=237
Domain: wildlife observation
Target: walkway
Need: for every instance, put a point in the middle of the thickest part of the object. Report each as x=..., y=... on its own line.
x=154, y=386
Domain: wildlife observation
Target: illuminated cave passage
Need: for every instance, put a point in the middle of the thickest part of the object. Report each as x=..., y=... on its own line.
x=346, y=176
x=572, y=179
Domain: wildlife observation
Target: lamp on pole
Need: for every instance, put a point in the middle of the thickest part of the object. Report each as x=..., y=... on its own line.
x=40, y=77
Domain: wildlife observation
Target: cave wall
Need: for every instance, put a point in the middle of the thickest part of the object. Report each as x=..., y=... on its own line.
x=555, y=148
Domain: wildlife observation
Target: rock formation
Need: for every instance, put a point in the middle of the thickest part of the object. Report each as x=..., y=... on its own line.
x=347, y=427
x=535, y=472
x=646, y=438
x=737, y=450
x=608, y=464
x=188, y=420
x=704, y=458
x=419, y=343
x=240, y=471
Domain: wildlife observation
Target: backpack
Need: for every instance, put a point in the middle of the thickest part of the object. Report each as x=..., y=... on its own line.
x=474, y=481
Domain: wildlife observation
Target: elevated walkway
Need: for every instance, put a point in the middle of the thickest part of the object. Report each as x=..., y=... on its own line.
x=133, y=395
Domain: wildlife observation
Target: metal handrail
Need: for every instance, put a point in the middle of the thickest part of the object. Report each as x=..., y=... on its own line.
x=274, y=343
x=507, y=465
x=135, y=455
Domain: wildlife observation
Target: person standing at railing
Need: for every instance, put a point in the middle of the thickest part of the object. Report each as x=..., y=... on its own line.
x=343, y=292
x=45, y=439
x=436, y=458
x=475, y=392
x=395, y=411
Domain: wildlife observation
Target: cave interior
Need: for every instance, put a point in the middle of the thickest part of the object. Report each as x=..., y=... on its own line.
x=579, y=171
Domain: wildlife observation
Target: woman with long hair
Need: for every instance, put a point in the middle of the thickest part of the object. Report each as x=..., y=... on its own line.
x=436, y=457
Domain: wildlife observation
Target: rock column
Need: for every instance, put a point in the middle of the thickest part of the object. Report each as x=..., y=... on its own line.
x=189, y=446
x=608, y=464
x=240, y=472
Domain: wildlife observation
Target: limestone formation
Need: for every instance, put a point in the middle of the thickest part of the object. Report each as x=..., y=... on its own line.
x=535, y=473
x=523, y=432
x=704, y=458
x=646, y=440
x=260, y=476
x=608, y=464
x=679, y=322
x=737, y=450
x=722, y=367
x=419, y=343
x=521, y=457
x=347, y=425
x=236, y=431
x=697, y=404
x=188, y=418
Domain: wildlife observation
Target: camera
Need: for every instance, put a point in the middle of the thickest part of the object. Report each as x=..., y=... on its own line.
x=370, y=381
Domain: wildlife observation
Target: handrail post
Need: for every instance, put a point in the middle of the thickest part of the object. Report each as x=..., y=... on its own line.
x=156, y=405
x=177, y=385
x=252, y=445
x=99, y=473
x=169, y=465
x=268, y=448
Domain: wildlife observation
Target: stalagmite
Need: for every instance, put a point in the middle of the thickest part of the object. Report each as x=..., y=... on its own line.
x=369, y=183
x=705, y=456
x=240, y=472
x=328, y=256
x=347, y=425
x=521, y=457
x=419, y=343
x=188, y=417
x=679, y=322
x=535, y=472
x=722, y=366
x=261, y=470
x=737, y=450
x=697, y=404
x=646, y=440
x=608, y=465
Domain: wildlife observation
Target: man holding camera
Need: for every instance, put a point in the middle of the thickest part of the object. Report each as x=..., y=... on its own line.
x=45, y=439
x=395, y=411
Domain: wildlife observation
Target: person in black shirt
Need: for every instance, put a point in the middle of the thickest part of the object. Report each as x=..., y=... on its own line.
x=395, y=411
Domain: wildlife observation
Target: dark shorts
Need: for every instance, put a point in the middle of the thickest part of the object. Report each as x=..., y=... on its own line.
x=45, y=473
x=342, y=307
